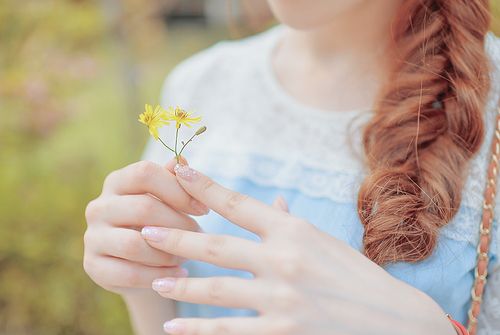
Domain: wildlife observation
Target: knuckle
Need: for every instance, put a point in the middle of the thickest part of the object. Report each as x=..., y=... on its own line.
x=287, y=264
x=181, y=287
x=144, y=170
x=214, y=290
x=174, y=239
x=130, y=246
x=301, y=223
x=111, y=178
x=87, y=264
x=298, y=224
x=90, y=267
x=208, y=183
x=132, y=278
x=234, y=199
x=93, y=210
x=88, y=239
x=298, y=228
x=286, y=298
x=144, y=207
x=215, y=246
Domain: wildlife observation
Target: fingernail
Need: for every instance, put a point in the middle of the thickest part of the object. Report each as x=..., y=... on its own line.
x=173, y=327
x=185, y=172
x=154, y=234
x=199, y=207
x=163, y=284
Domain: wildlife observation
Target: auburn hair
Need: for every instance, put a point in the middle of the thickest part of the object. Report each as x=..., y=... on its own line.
x=427, y=126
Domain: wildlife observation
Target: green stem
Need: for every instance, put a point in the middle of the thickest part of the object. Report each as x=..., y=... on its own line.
x=176, y=137
x=186, y=144
x=166, y=146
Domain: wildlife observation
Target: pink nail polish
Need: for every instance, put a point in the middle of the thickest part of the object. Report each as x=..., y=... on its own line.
x=173, y=327
x=163, y=284
x=185, y=172
x=154, y=234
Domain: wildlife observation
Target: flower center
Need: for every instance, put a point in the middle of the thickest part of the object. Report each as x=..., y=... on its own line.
x=181, y=114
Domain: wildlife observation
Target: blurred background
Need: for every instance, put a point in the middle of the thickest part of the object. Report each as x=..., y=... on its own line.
x=74, y=75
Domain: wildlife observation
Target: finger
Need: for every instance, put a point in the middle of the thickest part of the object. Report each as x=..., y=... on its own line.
x=227, y=326
x=280, y=203
x=170, y=166
x=129, y=245
x=240, y=209
x=148, y=177
x=115, y=272
x=226, y=251
x=229, y=292
x=139, y=211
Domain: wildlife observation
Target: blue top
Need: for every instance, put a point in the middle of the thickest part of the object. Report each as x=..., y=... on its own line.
x=262, y=142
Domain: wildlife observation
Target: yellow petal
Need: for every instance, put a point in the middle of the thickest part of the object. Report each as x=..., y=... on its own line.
x=154, y=132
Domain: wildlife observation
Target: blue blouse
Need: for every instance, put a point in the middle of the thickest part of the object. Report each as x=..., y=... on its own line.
x=262, y=142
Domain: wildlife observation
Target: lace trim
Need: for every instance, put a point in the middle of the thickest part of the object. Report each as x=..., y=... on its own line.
x=301, y=155
x=338, y=186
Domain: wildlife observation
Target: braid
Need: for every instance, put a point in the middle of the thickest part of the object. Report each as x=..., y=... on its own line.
x=427, y=127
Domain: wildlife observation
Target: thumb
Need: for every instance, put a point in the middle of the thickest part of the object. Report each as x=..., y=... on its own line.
x=280, y=203
x=171, y=164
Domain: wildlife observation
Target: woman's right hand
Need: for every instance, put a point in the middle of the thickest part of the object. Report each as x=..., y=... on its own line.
x=116, y=257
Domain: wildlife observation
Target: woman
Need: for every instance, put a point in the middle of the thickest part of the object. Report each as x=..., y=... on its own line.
x=367, y=125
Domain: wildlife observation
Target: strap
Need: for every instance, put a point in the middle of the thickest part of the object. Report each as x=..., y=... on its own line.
x=485, y=228
x=460, y=329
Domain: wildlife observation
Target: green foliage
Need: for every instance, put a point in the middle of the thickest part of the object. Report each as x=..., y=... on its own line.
x=495, y=7
x=67, y=120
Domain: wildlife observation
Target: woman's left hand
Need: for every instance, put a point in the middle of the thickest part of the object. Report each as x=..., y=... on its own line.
x=305, y=281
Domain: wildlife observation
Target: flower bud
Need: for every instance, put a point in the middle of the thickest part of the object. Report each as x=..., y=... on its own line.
x=200, y=131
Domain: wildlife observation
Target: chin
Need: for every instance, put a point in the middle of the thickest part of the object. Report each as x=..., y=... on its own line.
x=310, y=14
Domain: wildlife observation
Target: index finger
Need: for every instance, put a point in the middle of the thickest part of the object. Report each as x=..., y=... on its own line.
x=238, y=208
x=148, y=177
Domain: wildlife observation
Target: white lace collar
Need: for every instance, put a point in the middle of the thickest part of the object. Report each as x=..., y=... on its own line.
x=258, y=132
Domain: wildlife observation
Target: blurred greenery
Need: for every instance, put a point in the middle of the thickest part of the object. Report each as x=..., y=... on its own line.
x=67, y=119
x=73, y=77
x=495, y=6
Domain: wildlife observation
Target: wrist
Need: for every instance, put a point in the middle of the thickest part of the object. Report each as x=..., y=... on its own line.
x=148, y=311
x=418, y=313
x=434, y=316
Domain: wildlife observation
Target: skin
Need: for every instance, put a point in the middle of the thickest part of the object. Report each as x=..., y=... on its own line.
x=117, y=258
x=327, y=60
x=334, y=285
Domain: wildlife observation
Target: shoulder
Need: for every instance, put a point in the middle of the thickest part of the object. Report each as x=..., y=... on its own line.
x=218, y=63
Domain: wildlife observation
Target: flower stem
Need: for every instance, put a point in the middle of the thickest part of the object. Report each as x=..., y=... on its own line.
x=180, y=152
x=176, y=137
x=166, y=146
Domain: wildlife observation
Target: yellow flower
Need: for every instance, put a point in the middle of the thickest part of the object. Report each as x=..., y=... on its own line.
x=180, y=116
x=154, y=119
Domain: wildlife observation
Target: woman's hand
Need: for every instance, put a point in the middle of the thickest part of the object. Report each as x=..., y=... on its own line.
x=116, y=256
x=306, y=282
